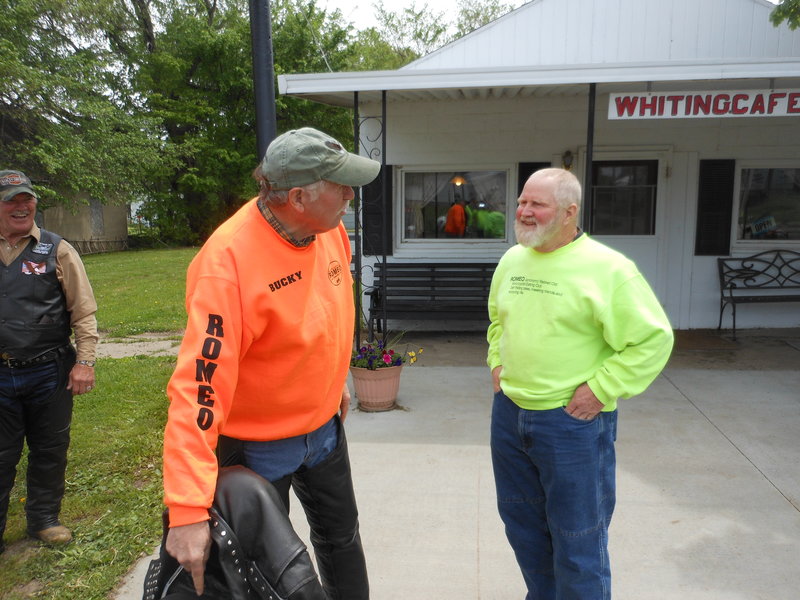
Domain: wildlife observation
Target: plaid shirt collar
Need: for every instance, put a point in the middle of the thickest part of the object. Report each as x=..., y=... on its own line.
x=280, y=229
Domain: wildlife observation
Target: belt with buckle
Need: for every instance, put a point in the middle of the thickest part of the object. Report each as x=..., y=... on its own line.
x=9, y=361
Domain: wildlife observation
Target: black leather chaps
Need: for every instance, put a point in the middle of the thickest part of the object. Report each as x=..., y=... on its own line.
x=326, y=493
x=46, y=427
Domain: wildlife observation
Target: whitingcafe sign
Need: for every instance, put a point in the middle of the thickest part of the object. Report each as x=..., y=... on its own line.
x=705, y=105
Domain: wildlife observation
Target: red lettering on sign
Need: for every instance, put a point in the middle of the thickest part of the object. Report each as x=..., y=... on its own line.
x=736, y=108
x=721, y=104
x=758, y=105
x=626, y=105
x=674, y=102
x=649, y=104
x=794, y=103
x=702, y=104
x=773, y=100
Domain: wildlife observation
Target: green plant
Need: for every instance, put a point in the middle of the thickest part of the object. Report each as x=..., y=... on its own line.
x=381, y=354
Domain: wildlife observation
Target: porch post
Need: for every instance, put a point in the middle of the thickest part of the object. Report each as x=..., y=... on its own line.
x=587, y=180
x=357, y=292
x=387, y=205
x=263, y=74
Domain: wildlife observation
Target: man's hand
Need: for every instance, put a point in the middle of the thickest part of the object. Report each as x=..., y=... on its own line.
x=81, y=379
x=584, y=404
x=496, y=377
x=190, y=546
x=344, y=407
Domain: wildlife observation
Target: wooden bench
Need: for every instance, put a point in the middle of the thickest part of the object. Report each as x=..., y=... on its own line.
x=762, y=277
x=427, y=290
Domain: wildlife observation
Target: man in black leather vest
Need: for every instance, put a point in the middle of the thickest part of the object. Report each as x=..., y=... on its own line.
x=44, y=296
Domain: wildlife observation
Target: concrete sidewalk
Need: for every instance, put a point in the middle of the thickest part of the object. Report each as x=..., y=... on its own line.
x=708, y=486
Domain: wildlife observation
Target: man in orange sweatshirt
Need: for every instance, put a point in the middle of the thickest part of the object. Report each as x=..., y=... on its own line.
x=456, y=221
x=263, y=364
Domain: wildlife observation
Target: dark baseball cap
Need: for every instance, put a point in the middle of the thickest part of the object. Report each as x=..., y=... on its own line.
x=303, y=156
x=13, y=183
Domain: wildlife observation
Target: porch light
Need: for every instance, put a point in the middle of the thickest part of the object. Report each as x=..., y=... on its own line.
x=458, y=180
x=566, y=160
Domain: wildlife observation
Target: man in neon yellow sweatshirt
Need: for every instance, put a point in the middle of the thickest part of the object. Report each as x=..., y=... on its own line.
x=574, y=326
x=264, y=360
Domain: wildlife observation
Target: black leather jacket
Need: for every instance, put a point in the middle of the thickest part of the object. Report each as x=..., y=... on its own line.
x=255, y=552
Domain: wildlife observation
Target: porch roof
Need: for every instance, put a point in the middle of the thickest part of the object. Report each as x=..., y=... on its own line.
x=449, y=84
x=548, y=47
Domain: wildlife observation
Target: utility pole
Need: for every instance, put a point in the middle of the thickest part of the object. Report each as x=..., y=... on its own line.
x=263, y=74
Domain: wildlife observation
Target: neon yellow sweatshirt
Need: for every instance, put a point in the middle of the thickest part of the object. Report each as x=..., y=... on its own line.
x=582, y=313
x=266, y=350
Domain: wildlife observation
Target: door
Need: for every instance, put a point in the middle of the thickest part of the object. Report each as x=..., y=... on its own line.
x=625, y=212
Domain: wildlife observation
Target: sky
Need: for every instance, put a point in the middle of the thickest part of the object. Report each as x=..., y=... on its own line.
x=361, y=12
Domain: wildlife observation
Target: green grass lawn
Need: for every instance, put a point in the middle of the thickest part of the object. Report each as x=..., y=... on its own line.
x=140, y=291
x=113, y=500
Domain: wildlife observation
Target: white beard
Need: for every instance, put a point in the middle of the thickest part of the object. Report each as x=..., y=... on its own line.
x=535, y=238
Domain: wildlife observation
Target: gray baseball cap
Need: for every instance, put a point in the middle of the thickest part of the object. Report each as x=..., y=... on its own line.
x=13, y=183
x=303, y=156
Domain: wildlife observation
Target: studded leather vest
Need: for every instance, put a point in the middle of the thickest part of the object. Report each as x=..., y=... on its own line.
x=33, y=309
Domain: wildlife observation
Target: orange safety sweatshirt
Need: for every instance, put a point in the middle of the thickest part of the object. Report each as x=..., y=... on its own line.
x=456, y=220
x=266, y=350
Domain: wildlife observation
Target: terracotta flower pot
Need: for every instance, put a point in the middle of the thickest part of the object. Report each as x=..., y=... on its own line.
x=376, y=390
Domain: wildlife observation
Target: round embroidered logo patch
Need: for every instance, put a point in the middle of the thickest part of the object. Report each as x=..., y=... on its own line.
x=335, y=272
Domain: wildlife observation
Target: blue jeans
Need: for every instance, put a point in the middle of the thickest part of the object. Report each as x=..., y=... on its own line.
x=276, y=459
x=555, y=480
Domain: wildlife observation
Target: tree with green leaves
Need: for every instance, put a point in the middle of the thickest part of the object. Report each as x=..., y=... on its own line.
x=193, y=75
x=66, y=116
x=373, y=53
x=195, y=78
x=413, y=31
x=307, y=39
x=405, y=35
x=787, y=10
x=152, y=100
x=473, y=14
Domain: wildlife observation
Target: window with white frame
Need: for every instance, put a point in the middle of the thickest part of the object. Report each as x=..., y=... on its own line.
x=769, y=204
x=453, y=205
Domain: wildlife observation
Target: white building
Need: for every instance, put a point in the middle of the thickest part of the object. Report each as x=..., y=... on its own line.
x=687, y=111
